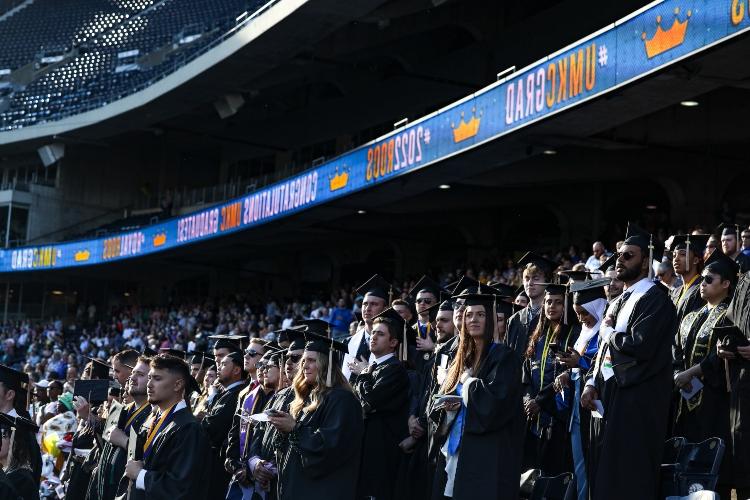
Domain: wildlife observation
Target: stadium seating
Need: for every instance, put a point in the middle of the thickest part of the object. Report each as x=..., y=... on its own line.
x=97, y=51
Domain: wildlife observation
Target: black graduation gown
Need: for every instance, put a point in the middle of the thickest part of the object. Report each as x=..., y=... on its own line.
x=23, y=482
x=384, y=394
x=520, y=326
x=743, y=261
x=233, y=450
x=322, y=460
x=636, y=402
x=687, y=302
x=78, y=473
x=106, y=477
x=706, y=415
x=489, y=460
x=177, y=467
x=7, y=491
x=217, y=423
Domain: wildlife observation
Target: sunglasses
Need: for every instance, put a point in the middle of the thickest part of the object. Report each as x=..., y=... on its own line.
x=708, y=279
x=626, y=256
x=424, y=301
x=252, y=353
x=295, y=357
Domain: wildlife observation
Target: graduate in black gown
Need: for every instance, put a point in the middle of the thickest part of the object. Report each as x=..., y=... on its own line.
x=547, y=443
x=19, y=461
x=484, y=424
x=175, y=452
x=268, y=444
x=734, y=349
x=383, y=391
x=730, y=245
x=324, y=429
x=632, y=377
x=536, y=270
x=687, y=262
x=706, y=413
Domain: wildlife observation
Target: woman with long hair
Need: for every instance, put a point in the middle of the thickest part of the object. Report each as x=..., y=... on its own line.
x=547, y=411
x=480, y=412
x=323, y=428
x=20, y=456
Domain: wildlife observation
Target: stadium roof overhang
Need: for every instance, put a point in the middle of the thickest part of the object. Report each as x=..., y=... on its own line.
x=475, y=173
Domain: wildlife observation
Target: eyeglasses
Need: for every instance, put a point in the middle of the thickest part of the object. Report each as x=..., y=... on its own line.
x=424, y=301
x=295, y=357
x=626, y=256
x=252, y=353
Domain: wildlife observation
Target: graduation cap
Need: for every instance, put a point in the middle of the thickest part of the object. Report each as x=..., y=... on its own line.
x=326, y=346
x=231, y=342
x=502, y=288
x=465, y=285
x=641, y=238
x=296, y=339
x=725, y=229
x=99, y=369
x=14, y=379
x=695, y=243
x=506, y=308
x=393, y=318
x=200, y=357
x=543, y=263
x=192, y=386
x=426, y=284
x=723, y=265
x=177, y=353
x=378, y=287
x=147, y=351
x=588, y=291
x=570, y=275
x=609, y=263
x=319, y=326
x=558, y=289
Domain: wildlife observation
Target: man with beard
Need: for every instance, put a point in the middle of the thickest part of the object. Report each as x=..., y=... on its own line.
x=176, y=451
x=378, y=294
x=218, y=419
x=536, y=271
x=631, y=381
x=268, y=444
x=730, y=237
x=111, y=465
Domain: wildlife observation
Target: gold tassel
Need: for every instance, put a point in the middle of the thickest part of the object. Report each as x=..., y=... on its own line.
x=565, y=305
x=403, y=348
x=687, y=254
x=10, y=445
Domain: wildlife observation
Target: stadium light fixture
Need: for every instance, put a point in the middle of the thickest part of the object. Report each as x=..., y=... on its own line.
x=549, y=152
x=689, y=104
x=444, y=186
x=361, y=212
x=57, y=292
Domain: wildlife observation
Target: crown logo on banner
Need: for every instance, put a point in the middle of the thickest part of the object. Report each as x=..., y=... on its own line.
x=160, y=239
x=664, y=40
x=339, y=179
x=466, y=130
x=82, y=255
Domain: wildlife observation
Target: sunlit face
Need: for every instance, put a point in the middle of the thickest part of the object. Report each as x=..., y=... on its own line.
x=403, y=311
x=475, y=319
x=444, y=325
x=712, y=287
x=458, y=314
x=729, y=243
x=271, y=377
x=532, y=284
x=583, y=316
x=210, y=377
x=554, y=306
x=220, y=353
x=227, y=371
x=252, y=356
x=630, y=263
x=679, y=261
x=381, y=342
x=163, y=385
x=291, y=366
x=371, y=307
x=310, y=366
x=121, y=371
x=425, y=300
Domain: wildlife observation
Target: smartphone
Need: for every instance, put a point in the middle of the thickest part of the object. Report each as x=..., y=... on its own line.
x=554, y=348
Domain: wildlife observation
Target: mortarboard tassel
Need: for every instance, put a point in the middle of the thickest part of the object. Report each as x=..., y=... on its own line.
x=651, y=257
x=10, y=445
x=282, y=362
x=329, y=376
x=565, y=305
x=687, y=254
x=403, y=347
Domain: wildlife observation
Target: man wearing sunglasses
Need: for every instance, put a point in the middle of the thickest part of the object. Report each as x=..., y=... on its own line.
x=426, y=294
x=631, y=381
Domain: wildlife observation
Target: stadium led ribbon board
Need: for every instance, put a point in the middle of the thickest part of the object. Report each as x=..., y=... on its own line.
x=646, y=41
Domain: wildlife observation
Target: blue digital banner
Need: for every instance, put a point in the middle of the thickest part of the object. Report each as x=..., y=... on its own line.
x=648, y=40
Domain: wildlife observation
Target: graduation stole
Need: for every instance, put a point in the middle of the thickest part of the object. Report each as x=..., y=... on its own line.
x=159, y=425
x=132, y=415
x=701, y=347
x=686, y=287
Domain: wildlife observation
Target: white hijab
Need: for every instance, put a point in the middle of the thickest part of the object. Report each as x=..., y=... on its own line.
x=596, y=309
